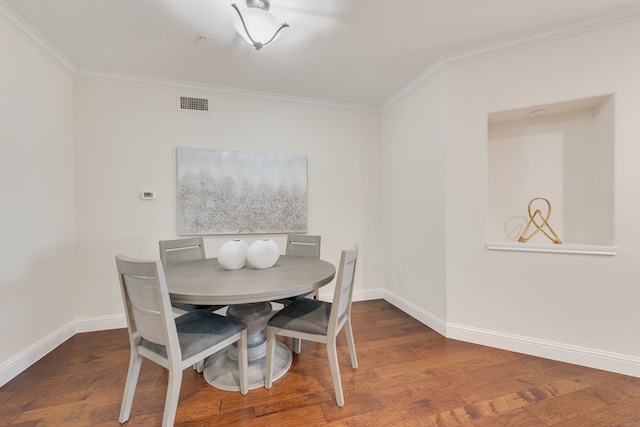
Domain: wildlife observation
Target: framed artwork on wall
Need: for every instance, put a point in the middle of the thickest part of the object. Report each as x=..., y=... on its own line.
x=237, y=192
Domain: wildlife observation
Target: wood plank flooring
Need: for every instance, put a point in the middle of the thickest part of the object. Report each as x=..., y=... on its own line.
x=408, y=375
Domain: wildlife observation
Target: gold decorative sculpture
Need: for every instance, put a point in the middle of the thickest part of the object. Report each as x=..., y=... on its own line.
x=543, y=227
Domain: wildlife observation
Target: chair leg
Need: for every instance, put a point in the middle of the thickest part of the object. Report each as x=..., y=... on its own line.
x=199, y=367
x=243, y=362
x=173, y=394
x=297, y=345
x=135, y=362
x=335, y=370
x=350, y=343
x=271, y=349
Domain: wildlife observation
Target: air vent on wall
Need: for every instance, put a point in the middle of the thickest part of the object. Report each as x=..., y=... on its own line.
x=193, y=104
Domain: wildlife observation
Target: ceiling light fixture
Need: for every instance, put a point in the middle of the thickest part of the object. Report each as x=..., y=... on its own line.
x=256, y=25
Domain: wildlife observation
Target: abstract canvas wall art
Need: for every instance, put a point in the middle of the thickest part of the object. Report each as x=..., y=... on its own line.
x=237, y=192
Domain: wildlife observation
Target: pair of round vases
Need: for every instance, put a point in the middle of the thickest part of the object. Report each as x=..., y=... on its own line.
x=234, y=254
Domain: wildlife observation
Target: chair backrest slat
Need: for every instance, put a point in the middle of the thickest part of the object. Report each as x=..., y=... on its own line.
x=343, y=293
x=303, y=245
x=181, y=250
x=146, y=298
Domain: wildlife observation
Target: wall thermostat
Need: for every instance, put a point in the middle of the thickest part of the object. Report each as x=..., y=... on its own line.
x=148, y=195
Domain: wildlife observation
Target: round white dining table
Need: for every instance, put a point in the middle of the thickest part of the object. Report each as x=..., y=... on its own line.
x=248, y=292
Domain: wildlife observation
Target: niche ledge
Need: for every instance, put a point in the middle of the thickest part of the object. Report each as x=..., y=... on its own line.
x=553, y=248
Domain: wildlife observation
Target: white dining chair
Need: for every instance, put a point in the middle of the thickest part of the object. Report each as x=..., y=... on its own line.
x=177, y=251
x=181, y=250
x=173, y=343
x=319, y=321
x=303, y=245
x=306, y=246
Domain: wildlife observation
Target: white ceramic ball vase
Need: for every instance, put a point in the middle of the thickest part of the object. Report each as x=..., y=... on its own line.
x=232, y=255
x=263, y=254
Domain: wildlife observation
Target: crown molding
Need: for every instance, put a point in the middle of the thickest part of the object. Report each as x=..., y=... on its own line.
x=24, y=29
x=216, y=90
x=20, y=26
x=618, y=16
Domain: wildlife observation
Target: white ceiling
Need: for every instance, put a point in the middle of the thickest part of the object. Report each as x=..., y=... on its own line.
x=357, y=53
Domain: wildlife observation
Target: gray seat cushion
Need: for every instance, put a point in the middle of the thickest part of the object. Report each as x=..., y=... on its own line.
x=304, y=315
x=199, y=330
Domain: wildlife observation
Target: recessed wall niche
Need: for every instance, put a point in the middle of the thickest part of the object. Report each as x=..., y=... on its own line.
x=563, y=152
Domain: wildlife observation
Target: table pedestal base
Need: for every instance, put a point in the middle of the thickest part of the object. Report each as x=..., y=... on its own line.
x=221, y=369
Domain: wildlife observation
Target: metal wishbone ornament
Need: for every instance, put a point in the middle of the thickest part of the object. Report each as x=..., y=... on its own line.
x=539, y=227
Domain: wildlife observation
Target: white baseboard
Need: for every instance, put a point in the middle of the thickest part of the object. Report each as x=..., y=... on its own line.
x=613, y=362
x=14, y=366
x=17, y=364
x=620, y=363
x=101, y=323
x=357, y=295
x=368, y=295
x=423, y=316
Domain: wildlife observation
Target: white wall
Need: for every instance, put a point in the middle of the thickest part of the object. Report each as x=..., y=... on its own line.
x=410, y=187
x=414, y=201
x=37, y=187
x=126, y=139
x=76, y=155
x=531, y=301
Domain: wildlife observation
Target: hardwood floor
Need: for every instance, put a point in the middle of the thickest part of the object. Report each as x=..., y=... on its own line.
x=408, y=375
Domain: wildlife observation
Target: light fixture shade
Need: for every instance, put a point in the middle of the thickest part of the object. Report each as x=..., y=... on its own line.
x=263, y=27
